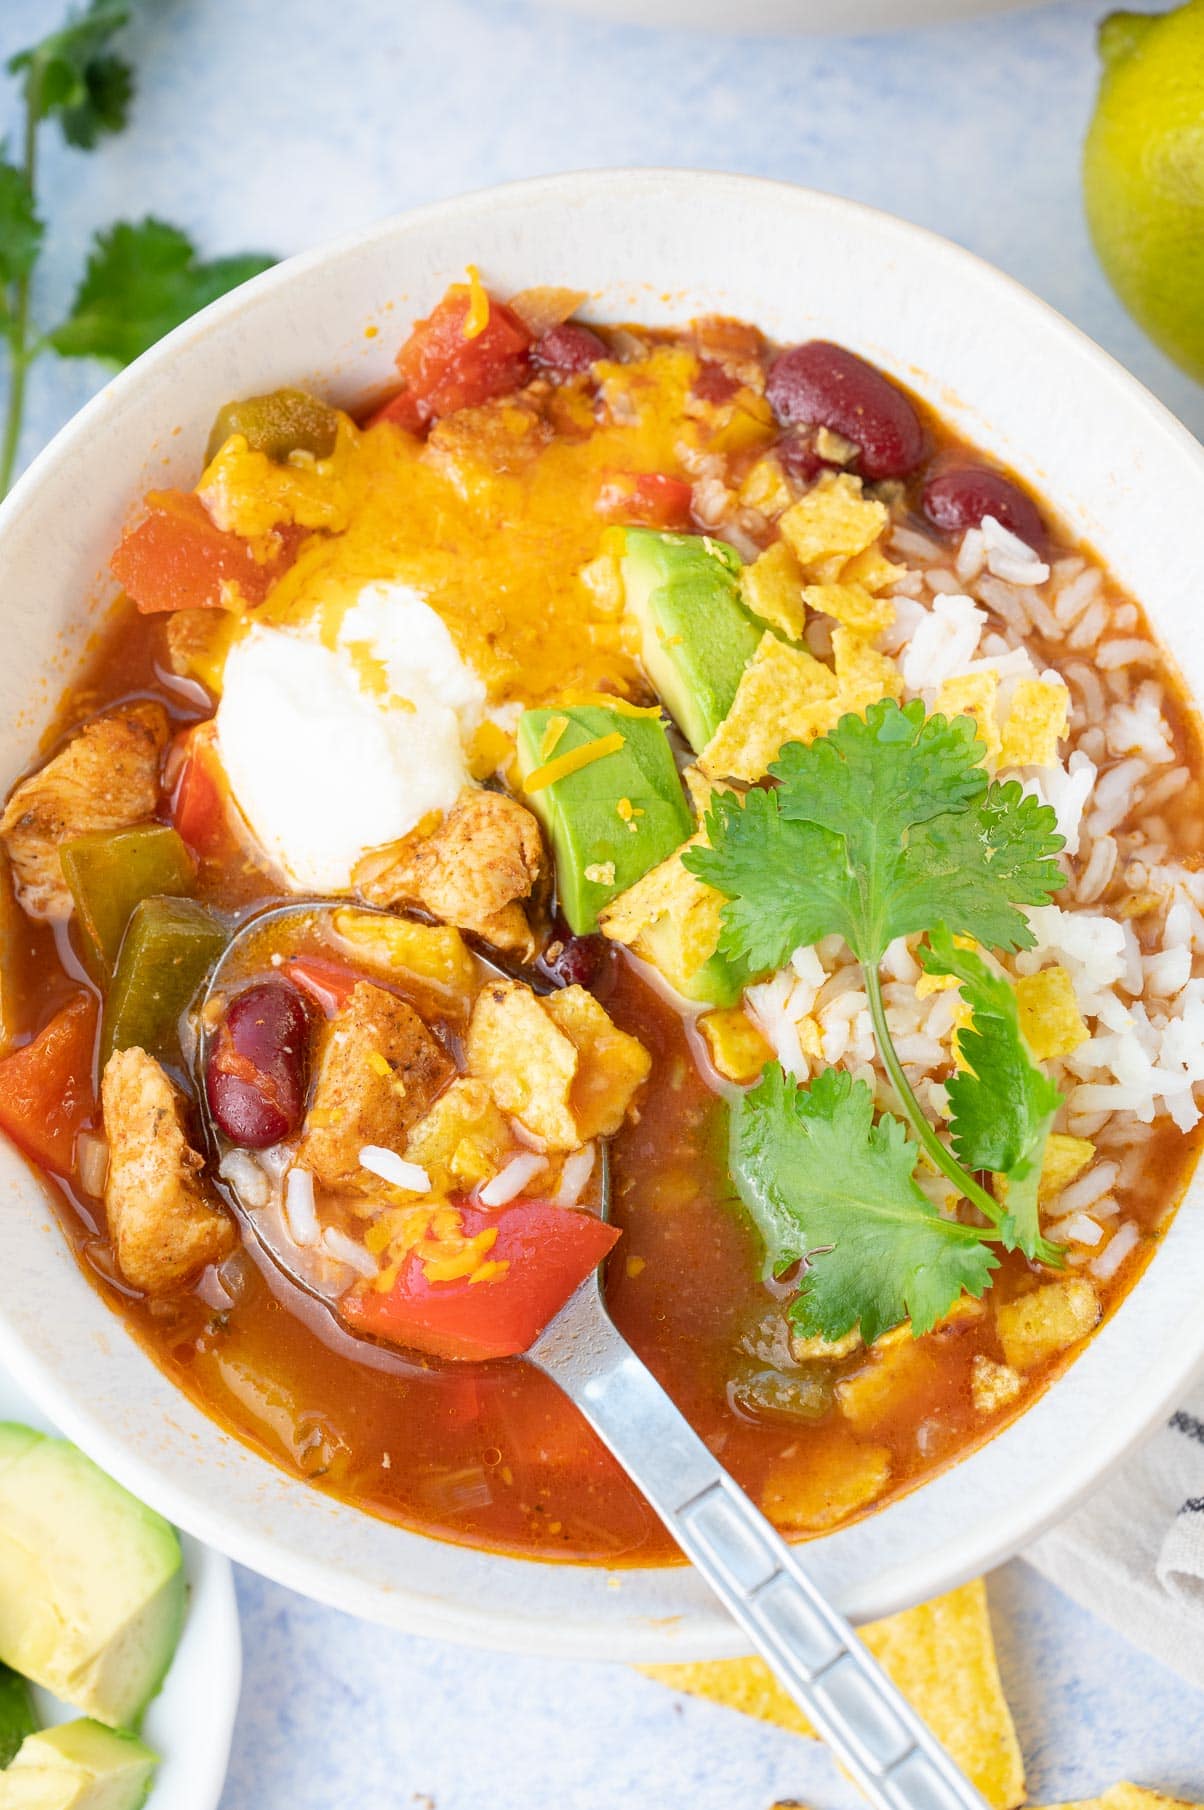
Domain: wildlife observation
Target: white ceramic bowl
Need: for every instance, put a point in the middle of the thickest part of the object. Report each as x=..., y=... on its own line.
x=658, y=246
x=789, y=16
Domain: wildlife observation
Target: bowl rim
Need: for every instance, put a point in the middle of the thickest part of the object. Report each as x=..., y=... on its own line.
x=965, y=1551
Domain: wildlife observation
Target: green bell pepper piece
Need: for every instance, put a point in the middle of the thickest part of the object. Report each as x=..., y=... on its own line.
x=282, y=422
x=17, y=1718
x=168, y=949
x=109, y=871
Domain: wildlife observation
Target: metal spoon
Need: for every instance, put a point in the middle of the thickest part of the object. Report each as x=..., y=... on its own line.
x=815, y=1654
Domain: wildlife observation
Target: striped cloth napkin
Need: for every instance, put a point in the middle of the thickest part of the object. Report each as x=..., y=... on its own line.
x=1135, y=1553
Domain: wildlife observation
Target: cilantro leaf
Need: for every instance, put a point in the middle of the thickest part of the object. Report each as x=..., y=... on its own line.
x=72, y=74
x=1003, y=1103
x=140, y=282
x=881, y=828
x=828, y=1185
x=20, y=228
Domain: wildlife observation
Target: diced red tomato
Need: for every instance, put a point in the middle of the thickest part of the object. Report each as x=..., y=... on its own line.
x=47, y=1088
x=713, y=383
x=198, y=803
x=328, y=984
x=444, y=370
x=177, y=558
x=549, y=1252
x=651, y=498
x=404, y=409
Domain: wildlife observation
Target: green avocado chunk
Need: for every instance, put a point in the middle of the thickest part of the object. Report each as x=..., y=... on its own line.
x=280, y=423
x=91, y=1581
x=696, y=637
x=16, y=1713
x=612, y=820
x=78, y=1766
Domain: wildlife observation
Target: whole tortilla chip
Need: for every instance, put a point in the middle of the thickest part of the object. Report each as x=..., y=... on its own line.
x=942, y=1657
x=1128, y=1797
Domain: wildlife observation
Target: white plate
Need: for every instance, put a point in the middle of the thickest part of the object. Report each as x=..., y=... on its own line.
x=1005, y=371
x=190, y=1722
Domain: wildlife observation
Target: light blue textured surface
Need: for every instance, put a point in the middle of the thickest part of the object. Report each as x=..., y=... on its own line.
x=277, y=125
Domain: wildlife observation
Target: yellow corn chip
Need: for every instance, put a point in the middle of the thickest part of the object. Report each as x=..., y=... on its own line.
x=841, y=1476
x=1129, y=1797
x=668, y=918
x=772, y=587
x=851, y=604
x=734, y=1044
x=942, y=1657
x=464, y=1138
x=1049, y=1013
x=1036, y=723
x=434, y=953
x=993, y=1385
x=1065, y=1157
x=610, y=1064
x=974, y=694
x=765, y=488
x=862, y=673
x=1037, y=1326
x=871, y=569
x=831, y=524
x=785, y=695
x=890, y=1376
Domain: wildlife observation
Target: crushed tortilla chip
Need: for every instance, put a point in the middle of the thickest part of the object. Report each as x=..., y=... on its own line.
x=862, y=673
x=765, y=488
x=942, y=1657
x=434, y=953
x=669, y=918
x=840, y=1478
x=557, y=1064
x=871, y=569
x=830, y=524
x=772, y=587
x=610, y=1064
x=734, y=1044
x=890, y=1377
x=992, y=1385
x=1036, y=722
x=785, y=695
x=974, y=694
x=463, y=1140
x=1129, y=1797
x=1039, y=1325
x=1065, y=1157
x=851, y=604
x=1049, y=1013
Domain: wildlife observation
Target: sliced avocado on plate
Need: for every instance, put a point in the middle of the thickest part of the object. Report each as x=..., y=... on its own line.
x=78, y=1766
x=17, y=1717
x=612, y=818
x=92, y=1587
x=696, y=636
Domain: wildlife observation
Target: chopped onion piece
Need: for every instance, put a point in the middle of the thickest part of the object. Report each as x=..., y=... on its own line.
x=393, y=1168
x=347, y=1251
x=300, y=1212
x=511, y=1180
x=92, y=1162
x=576, y=1172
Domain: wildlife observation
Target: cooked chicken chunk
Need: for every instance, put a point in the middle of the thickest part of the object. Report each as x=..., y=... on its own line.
x=472, y=872
x=162, y=1226
x=379, y=1070
x=106, y=778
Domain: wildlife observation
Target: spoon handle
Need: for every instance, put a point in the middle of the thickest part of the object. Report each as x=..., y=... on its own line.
x=870, y=1727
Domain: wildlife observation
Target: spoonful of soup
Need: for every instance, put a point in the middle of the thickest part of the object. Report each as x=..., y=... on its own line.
x=388, y=1116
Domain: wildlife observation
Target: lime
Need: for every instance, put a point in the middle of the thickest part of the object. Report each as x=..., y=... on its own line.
x=1143, y=173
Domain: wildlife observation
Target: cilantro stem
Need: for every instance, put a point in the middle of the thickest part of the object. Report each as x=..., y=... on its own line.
x=20, y=357
x=944, y=1158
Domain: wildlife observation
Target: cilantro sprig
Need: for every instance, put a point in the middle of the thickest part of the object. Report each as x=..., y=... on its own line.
x=886, y=827
x=142, y=278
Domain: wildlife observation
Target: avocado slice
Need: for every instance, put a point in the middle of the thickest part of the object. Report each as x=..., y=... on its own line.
x=612, y=820
x=78, y=1766
x=91, y=1581
x=696, y=637
x=16, y=1713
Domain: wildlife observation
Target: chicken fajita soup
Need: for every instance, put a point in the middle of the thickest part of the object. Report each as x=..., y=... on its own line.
x=677, y=749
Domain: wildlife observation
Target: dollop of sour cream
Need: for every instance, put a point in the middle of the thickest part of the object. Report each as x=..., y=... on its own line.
x=332, y=751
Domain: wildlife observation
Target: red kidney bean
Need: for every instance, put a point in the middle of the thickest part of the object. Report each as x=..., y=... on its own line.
x=959, y=497
x=257, y=1074
x=796, y=454
x=569, y=349
x=822, y=385
x=580, y=961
